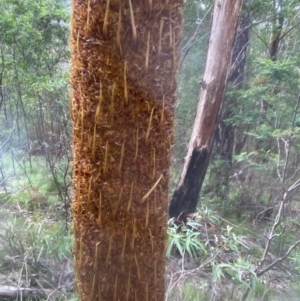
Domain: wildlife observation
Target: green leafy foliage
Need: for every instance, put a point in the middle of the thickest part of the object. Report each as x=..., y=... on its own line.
x=34, y=154
x=206, y=246
x=40, y=246
x=185, y=241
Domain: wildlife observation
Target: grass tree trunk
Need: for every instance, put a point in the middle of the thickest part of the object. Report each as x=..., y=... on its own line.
x=224, y=24
x=124, y=68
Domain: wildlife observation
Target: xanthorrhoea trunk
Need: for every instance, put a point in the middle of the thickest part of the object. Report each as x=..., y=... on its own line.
x=224, y=23
x=124, y=69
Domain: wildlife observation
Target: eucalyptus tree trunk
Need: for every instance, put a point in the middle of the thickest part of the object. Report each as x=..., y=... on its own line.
x=224, y=24
x=225, y=133
x=277, y=27
x=124, y=67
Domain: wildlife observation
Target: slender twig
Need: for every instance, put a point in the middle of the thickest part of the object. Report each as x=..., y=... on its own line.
x=278, y=260
x=288, y=31
x=185, y=50
x=9, y=136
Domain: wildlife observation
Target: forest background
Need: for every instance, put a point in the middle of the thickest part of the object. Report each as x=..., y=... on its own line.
x=241, y=243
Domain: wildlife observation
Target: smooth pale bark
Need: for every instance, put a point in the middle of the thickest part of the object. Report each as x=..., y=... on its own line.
x=225, y=133
x=223, y=29
x=124, y=68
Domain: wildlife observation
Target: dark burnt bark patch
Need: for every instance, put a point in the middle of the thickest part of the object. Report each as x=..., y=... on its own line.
x=186, y=195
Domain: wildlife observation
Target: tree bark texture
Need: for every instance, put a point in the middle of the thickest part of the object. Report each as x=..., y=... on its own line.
x=225, y=132
x=124, y=67
x=276, y=35
x=224, y=23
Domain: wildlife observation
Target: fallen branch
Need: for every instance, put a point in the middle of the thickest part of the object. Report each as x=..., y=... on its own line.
x=13, y=292
x=280, y=259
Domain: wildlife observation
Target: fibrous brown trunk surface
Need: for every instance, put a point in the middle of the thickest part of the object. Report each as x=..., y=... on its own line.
x=224, y=23
x=124, y=69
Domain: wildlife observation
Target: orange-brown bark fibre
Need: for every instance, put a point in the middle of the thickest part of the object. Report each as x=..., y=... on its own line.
x=124, y=69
